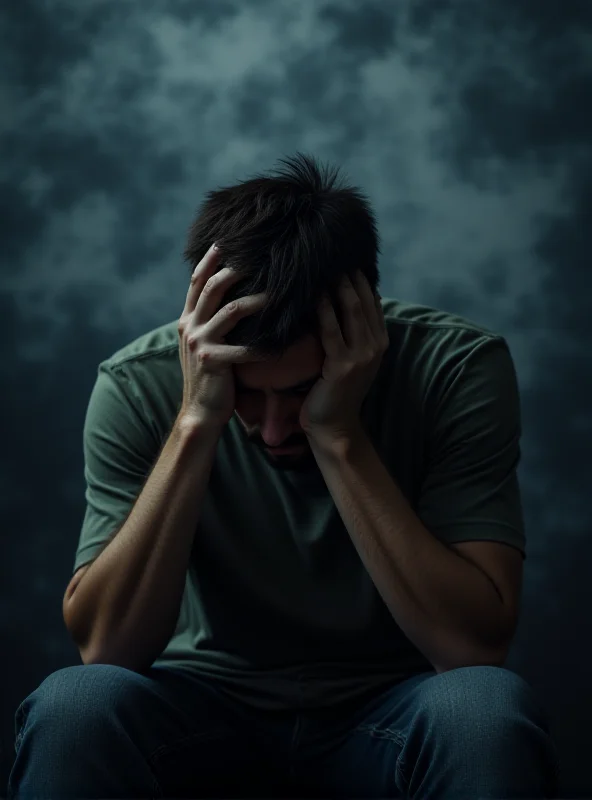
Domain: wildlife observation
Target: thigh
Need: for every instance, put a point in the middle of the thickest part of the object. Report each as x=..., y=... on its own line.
x=469, y=732
x=358, y=751
x=195, y=740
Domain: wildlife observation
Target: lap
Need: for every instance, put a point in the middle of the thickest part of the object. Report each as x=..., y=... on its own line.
x=462, y=725
x=194, y=738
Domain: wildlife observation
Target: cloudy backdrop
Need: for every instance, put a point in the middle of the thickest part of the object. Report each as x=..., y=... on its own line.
x=468, y=124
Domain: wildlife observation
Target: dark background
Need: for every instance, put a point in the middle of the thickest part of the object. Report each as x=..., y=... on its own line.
x=469, y=126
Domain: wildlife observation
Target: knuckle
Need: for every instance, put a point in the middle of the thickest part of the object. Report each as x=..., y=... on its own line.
x=209, y=285
x=231, y=307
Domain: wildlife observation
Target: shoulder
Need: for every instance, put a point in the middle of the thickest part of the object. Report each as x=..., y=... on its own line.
x=147, y=361
x=431, y=325
x=151, y=345
x=144, y=380
x=433, y=347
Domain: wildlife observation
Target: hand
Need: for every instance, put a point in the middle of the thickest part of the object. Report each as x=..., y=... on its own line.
x=332, y=407
x=206, y=361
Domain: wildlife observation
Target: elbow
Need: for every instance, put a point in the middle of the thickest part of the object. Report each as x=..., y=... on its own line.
x=489, y=650
x=119, y=653
x=476, y=658
x=127, y=661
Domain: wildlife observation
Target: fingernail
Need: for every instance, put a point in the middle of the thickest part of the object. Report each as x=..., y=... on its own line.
x=215, y=247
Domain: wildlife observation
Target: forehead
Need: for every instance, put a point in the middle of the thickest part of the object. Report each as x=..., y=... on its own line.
x=299, y=363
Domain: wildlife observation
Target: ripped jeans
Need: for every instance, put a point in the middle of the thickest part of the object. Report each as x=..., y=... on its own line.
x=102, y=731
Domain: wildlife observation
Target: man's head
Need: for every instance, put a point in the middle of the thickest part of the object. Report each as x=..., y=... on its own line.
x=293, y=235
x=269, y=395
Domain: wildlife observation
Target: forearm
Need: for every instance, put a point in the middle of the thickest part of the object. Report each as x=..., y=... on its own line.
x=444, y=604
x=126, y=606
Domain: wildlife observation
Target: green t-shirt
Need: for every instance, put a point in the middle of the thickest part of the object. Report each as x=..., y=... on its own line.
x=278, y=608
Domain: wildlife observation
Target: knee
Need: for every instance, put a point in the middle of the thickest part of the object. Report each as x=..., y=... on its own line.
x=73, y=694
x=484, y=698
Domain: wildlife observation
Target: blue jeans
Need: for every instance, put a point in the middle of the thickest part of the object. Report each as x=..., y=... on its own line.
x=104, y=731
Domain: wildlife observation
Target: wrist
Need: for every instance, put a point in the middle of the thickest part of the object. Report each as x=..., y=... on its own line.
x=334, y=443
x=193, y=426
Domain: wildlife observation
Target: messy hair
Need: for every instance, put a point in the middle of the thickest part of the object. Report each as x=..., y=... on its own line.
x=292, y=234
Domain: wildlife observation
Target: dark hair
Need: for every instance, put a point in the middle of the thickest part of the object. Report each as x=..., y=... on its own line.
x=292, y=235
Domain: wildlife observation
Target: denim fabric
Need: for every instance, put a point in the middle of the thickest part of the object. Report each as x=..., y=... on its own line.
x=101, y=731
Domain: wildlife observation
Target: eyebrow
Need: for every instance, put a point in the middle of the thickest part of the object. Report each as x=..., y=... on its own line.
x=306, y=384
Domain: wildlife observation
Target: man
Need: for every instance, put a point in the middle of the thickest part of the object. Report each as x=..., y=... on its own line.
x=300, y=567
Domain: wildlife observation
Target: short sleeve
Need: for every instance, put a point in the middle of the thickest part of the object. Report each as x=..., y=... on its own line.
x=118, y=457
x=471, y=489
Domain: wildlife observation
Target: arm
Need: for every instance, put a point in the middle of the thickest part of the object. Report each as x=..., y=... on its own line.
x=125, y=608
x=454, y=597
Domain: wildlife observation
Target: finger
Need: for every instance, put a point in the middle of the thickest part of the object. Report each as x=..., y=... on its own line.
x=224, y=320
x=380, y=311
x=331, y=334
x=203, y=270
x=356, y=315
x=371, y=305
x=228, y=354
x=212, y=294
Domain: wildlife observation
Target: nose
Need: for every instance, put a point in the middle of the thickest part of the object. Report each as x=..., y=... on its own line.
x=275, y=426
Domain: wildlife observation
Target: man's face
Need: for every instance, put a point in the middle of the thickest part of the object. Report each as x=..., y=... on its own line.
x=269, y=395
